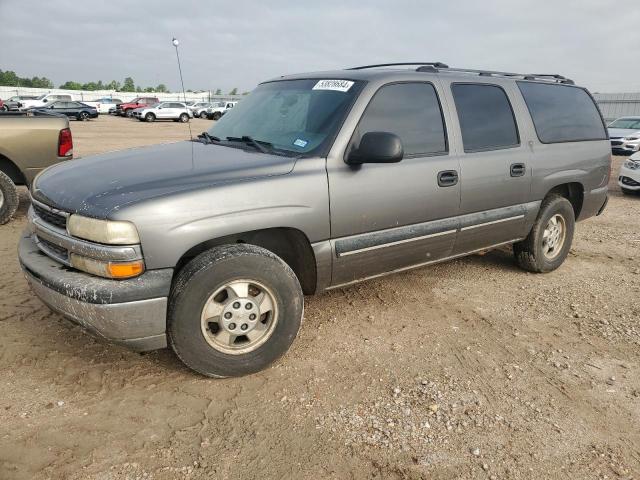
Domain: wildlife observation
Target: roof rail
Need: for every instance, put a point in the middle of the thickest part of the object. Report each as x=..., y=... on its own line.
x=431, y=64
x=550, y=77
x=434, y=67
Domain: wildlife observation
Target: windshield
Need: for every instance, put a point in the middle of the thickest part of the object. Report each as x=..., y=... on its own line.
x=41, y=97
x=299, y=116
x=626, y=124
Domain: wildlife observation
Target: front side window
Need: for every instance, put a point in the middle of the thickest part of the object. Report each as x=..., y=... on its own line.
x=293, y=116
x=486, y=118
x=562, y=113
x=409, y=110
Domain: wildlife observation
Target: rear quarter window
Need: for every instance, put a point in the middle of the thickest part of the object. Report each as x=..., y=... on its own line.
x=562, y=113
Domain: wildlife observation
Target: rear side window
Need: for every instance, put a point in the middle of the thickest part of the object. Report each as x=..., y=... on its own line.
x=486, y=118
x=412, y=112
x=562, y=113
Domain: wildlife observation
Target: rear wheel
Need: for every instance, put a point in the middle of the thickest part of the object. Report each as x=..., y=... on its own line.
x=203, y=114
x=216, y=115
x=183, y=118
x=234, y=310
x=150, y=117
x=128, y=113
x=549, y=241
x=8, y=198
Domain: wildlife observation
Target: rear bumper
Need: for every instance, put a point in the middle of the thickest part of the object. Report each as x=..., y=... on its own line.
x=594, y=202
x=131, y=312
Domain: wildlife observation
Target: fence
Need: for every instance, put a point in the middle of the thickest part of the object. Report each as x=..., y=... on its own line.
x=89, y=95
x=616, y=105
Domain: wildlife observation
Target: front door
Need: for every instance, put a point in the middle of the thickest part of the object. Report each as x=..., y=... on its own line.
x=495, y=167
x=386, y=217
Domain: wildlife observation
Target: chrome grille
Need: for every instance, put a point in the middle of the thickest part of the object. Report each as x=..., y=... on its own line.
x=50, y=216
x=53, y=250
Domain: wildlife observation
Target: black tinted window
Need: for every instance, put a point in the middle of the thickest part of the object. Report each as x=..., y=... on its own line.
x=411, y=111
x=562, y=113
x=486, y=118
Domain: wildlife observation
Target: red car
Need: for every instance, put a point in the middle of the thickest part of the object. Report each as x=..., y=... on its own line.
x=2, y=106
x=126, y=109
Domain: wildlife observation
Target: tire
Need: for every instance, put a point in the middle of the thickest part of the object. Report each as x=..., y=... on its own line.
x=627, y=191
x=534, y=253
x=216, y=116
x=184, y=118
x=203, y=282
x=150, y=117
x=5, y=108
x=203, y=115
x=8, y=198
x=128, y=113
x=83, y=116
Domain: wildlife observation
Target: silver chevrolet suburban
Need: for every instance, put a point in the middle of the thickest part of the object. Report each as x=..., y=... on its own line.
x=313, y=182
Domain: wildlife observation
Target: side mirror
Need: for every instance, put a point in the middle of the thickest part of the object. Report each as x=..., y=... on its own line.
x=45, y=100
x=377, y=147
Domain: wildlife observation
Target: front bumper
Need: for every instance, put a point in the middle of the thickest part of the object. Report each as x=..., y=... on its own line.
x=629, y=179
x=130, y=312
x=619, y=145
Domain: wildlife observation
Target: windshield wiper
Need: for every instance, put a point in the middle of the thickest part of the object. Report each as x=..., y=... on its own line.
x=263, y=147
x=209, y=138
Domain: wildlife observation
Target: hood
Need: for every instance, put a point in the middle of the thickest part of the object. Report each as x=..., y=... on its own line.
x=623, y=132
x=96, y=186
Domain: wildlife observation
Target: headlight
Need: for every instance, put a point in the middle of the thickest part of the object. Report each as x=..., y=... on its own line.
x=103, y=231
x=631, y=138
x=116, y=270
x=632, y=165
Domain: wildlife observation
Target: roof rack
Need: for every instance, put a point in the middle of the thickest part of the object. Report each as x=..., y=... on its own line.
x=434, y=67
x=429, y=64
x=552, y=77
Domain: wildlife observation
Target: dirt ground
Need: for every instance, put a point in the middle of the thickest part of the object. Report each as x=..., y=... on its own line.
x=471, y=369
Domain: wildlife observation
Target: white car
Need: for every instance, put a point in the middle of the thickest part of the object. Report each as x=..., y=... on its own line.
x=199, y=109
x=44, y=100
x=103, y=105
x=629, y=176
x=215, y=112
x=176, y=111
x=624, y=134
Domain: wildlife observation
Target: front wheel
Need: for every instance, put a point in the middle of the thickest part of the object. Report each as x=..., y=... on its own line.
x=183, y=118
x=216, y=116
x=549, y=241
x=150, y=117
x=203, y=114
x=82, y=116
x=8, y=198
x=234, y=310
x=128, y=113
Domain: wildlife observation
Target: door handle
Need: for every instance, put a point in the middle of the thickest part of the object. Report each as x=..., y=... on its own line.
x=447, y=178
x=518, y=169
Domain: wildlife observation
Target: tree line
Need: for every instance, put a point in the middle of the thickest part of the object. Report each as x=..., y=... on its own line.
x=9, y=78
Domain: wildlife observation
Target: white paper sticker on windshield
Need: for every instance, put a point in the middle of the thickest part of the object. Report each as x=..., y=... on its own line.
x=337, y=85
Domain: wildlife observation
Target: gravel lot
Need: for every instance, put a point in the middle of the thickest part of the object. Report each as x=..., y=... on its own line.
x=470, y=369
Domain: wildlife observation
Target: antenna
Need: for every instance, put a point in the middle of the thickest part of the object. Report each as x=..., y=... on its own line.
x=175, y=43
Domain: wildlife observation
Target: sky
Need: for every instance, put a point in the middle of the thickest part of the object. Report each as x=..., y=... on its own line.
x=240, y=43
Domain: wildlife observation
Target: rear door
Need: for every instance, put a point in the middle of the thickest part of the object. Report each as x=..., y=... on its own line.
x=386, y=217
x=495, y=166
